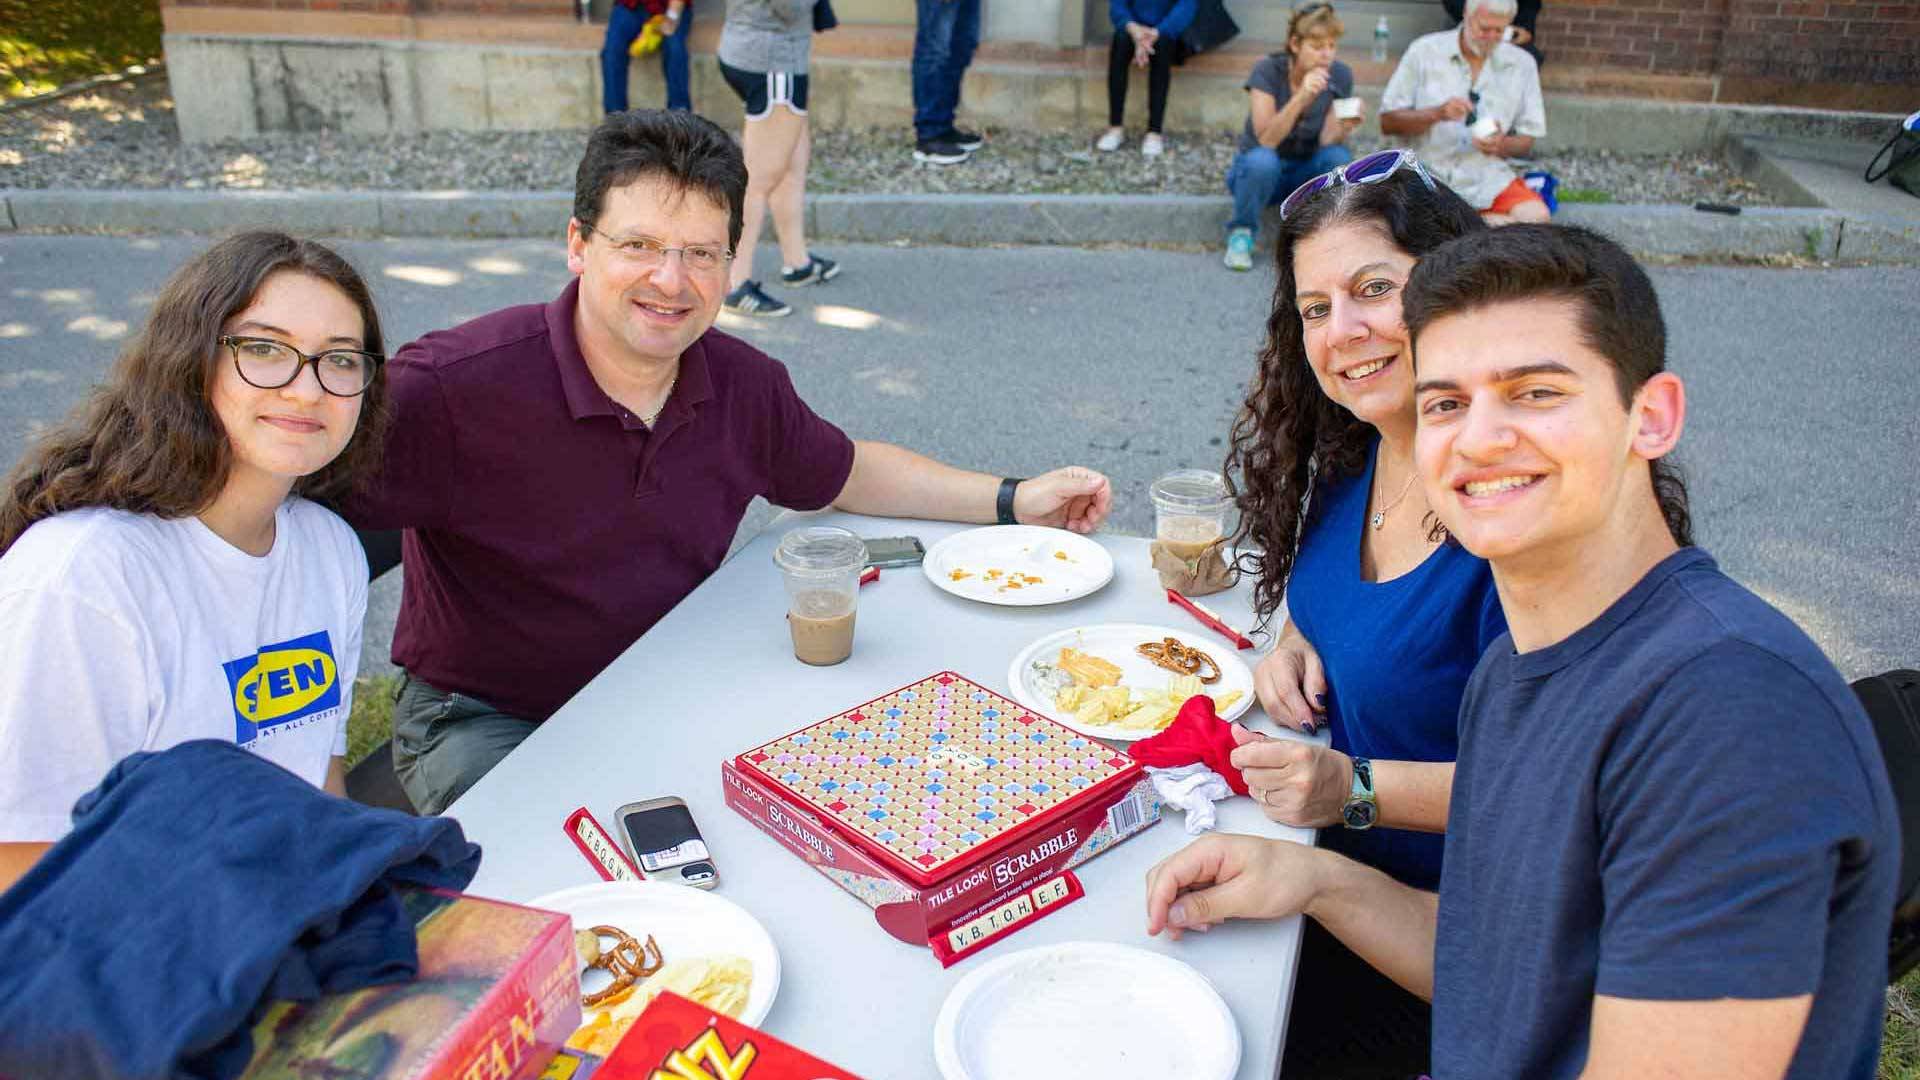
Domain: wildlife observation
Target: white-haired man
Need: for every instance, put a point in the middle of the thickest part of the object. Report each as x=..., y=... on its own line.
x=1447, y=85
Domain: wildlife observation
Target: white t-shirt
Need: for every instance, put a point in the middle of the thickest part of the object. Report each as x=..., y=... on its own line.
x=1433, y=70
x=122, y=632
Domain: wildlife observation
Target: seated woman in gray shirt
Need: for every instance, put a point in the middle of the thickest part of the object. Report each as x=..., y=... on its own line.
x=764, y=48
x=1289, y=137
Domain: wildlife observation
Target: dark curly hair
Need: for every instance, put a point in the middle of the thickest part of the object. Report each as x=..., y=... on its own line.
x=1290, y=435
x=148, y=439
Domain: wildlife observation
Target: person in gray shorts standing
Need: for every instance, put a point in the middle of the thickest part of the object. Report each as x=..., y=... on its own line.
x=763, y=55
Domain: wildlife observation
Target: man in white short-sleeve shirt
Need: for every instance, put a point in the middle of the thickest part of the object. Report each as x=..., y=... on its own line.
x=1452, y=81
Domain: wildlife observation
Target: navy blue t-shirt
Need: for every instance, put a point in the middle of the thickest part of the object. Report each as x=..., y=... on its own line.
x=1681, y=801
x=1397, y=654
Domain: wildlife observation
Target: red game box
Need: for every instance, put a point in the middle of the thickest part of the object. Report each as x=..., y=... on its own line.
x=677, y=1039
x=497, y=994
x=952, y=812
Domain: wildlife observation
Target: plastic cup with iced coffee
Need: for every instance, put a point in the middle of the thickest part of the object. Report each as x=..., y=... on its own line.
x=821, y=565
x=1190, y=508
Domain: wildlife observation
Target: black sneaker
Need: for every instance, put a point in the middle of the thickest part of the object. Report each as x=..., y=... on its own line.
x=939, y=152
x=748, y=299
x=964, y=139
x=817, y=270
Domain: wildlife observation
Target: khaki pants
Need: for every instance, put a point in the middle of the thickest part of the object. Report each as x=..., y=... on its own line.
x=443, y=742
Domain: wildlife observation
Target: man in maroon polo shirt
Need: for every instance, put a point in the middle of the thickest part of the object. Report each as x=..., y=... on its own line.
x=567, y=472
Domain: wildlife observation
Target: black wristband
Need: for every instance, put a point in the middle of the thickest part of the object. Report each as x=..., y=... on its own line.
x=1003, y=506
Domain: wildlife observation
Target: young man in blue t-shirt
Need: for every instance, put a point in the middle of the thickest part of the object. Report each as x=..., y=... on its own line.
x=1671, y=848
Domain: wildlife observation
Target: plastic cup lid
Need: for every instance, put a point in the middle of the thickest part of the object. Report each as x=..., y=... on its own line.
x=1194, y=491
x=820, y=550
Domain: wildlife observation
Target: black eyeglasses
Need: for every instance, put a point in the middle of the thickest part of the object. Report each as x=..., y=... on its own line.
x=269, y=365
x=1473, y=112
x=1371, y=169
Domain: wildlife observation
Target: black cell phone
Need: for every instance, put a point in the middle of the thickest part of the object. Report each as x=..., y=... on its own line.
x=889, y=551
x=666, y=843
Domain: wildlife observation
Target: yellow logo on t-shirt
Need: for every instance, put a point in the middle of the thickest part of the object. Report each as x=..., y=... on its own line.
x=282, y=683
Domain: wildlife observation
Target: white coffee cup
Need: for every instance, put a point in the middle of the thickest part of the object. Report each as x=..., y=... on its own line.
x=1346, y=108
x=1487, y=128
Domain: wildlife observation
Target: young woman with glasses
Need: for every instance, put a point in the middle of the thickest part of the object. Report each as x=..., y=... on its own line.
x=163, y=576
x=1384, y=621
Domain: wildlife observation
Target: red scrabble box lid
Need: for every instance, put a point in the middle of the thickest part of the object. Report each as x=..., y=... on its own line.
x=936, y=773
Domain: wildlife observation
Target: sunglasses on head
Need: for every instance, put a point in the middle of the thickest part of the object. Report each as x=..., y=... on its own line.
x=1371, y=169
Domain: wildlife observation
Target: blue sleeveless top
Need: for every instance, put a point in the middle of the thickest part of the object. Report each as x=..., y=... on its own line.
x=1397, y=655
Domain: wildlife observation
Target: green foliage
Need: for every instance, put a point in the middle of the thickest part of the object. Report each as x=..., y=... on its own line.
x=1900, y=1039
x=1584, y=195
x=45, y=44
x=371, y=722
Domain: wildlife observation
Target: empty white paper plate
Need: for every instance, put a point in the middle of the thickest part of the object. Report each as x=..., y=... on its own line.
x=1085, y=1011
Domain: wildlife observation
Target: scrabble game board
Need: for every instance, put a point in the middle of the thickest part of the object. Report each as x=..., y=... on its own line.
x=953, y=812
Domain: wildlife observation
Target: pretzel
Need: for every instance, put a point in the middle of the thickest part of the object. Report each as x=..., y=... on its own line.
x=628, y=962
x=1181, y=659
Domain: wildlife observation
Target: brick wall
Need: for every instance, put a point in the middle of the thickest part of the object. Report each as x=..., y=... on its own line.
x=562, y=8
x=1803, y=41
x=1820, y=41
x=1664, y=37
x=381, y=7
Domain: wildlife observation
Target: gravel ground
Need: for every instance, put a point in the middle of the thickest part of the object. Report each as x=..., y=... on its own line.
x=125, y=137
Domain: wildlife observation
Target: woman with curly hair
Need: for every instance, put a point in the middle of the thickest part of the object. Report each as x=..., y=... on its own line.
x=163, y=576
x=1384, y=619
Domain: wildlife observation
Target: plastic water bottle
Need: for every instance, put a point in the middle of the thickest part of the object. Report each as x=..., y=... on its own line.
x=1382, y=33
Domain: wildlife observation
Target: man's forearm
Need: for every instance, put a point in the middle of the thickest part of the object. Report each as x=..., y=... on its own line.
x=1389, y=925
x=892, y=481
x=1413, y=794
x=1409, y=121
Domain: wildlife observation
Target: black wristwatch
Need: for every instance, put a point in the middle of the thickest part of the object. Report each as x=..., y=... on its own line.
x=1003, y=506
x=1361, y=811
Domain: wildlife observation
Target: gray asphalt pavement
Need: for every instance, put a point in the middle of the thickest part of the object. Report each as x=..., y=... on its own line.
x=1801, y=445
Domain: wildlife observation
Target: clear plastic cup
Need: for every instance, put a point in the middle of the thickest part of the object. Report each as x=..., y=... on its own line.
x=821, y=566
x=1190, y=510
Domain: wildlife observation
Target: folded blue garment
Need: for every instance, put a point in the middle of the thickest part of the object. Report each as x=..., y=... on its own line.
x=197, y=884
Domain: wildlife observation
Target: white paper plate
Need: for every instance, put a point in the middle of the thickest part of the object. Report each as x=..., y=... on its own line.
x=1068, y=565
x=685, y=922
x=1091, y=1010
x=1115, y=642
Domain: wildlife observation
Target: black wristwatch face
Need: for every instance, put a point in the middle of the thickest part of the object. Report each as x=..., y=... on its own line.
x=1358, y=814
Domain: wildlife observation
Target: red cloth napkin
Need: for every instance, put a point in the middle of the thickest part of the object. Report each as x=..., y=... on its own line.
x=1196, y=734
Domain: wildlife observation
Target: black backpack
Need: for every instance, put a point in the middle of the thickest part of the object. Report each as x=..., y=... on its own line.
x=1893, y=704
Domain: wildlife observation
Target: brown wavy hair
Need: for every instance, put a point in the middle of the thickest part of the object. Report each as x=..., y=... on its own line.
x=147, y=439
x=1289, y=435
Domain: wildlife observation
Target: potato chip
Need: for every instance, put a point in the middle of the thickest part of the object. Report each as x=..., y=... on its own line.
x=1182, y=687
x=721, y=983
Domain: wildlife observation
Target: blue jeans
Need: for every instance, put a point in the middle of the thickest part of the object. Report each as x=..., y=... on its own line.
x=943, y=46
x=623, y=25
x=1260, y=177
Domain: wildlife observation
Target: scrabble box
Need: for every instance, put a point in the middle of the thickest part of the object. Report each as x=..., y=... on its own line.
x=497, y=993
x=954, y=813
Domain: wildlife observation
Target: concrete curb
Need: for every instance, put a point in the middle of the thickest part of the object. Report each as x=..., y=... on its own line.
x=1159, y=220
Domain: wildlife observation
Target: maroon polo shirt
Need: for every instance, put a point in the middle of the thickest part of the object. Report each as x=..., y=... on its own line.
x=547, y=527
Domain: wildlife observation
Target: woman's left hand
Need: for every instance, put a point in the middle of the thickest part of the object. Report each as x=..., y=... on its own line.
x=1296, y=783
